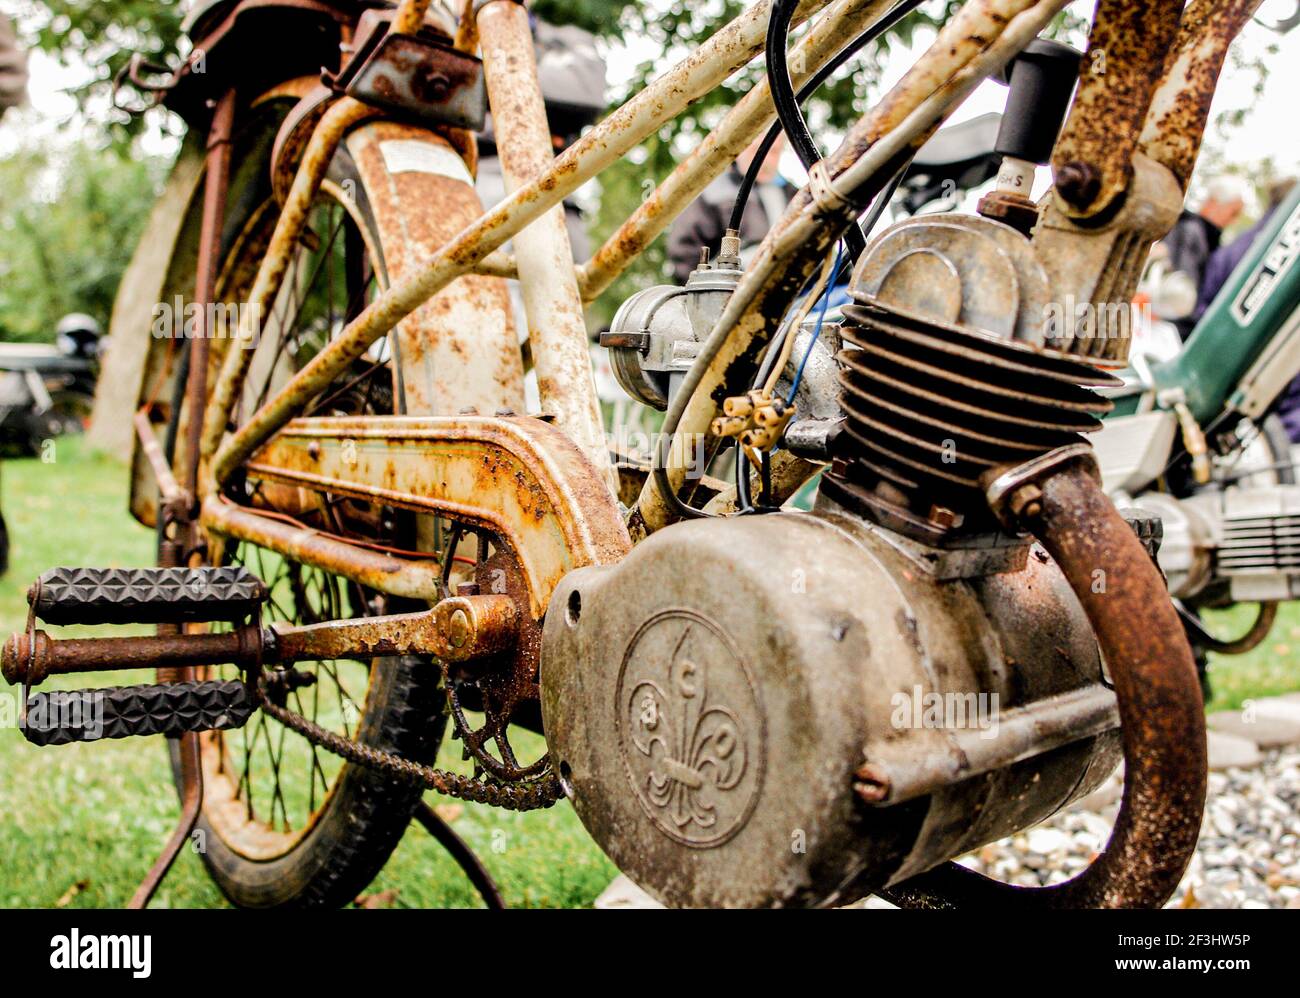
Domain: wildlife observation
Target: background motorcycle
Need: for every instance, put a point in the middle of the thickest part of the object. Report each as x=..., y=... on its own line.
x=48, y=391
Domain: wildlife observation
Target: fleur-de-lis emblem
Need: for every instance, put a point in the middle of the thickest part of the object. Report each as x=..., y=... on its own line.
x=685, y=745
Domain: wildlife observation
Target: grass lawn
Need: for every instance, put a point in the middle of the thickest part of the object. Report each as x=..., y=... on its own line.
x=79, y=825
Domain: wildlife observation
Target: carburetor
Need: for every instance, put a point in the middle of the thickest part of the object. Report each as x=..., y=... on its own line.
x=656, y=333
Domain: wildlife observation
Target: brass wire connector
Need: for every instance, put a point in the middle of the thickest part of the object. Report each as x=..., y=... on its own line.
x=756, y=419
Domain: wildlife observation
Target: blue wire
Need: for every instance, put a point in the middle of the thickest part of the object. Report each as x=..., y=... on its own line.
x=817, y=331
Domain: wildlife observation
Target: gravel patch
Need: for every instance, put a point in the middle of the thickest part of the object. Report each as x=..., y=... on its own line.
x=1248, y=855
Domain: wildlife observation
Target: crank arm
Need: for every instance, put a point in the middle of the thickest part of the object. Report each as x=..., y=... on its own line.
x=455, y=630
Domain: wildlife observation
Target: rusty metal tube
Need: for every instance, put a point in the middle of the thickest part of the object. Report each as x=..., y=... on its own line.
x=1162, y=717
x=30, y=659
x=557, y=328
x=1175, y=123
x=725, y=52
x=457, y=629
x=275, y=263
x=190, y=755
x=1093, y=159
x=168, y=488
x=1022, y=733
x=467, y=28
x=409, y=16
x=382, y=572
x=498, y=264
x=745, y=122
x=215, y=183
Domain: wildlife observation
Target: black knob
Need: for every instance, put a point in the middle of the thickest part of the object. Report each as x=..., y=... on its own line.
x=1041, y=79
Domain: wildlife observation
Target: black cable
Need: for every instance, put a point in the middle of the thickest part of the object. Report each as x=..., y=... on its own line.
x=778, y=78
x=887, y=22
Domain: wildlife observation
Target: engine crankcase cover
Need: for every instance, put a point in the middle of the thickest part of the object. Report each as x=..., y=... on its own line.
x=708, y=699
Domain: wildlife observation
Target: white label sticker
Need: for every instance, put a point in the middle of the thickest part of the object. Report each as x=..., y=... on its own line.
x=1269, y=271
x=414, y=156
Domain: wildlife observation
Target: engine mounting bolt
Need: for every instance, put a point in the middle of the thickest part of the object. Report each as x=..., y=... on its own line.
x=1026, y=503
x=458, y=629
x=1078, y=182
x=944, y=518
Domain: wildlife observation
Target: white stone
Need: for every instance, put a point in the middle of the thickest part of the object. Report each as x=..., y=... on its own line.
x=1046, y=841
x=1278, y=710
x=1269, y=723
x=622, y=893
x=1228, y=750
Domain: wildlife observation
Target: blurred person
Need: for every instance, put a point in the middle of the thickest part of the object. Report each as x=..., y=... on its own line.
x=1219, y=270
x=1197, y=235
x=13, y=68
x=704, y=222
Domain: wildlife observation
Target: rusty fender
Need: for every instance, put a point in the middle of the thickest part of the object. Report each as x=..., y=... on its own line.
x=517, y=477
x=1162, y=716
x=458, y=350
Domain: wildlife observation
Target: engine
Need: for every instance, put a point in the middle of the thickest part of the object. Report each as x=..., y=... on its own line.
x=1242, y=542
x=715, y=699
x=804, y=707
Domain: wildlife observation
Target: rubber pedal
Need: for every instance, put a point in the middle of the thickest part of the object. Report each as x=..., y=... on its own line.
x=145, y=595
x=61, y=717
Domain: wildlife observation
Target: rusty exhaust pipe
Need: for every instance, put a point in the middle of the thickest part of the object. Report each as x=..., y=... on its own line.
x=1162, y=716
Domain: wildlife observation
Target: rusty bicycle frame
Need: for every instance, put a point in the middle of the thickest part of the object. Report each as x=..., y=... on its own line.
x=549, y=489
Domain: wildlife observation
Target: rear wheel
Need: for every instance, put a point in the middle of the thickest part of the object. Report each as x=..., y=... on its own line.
x=285, y=822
